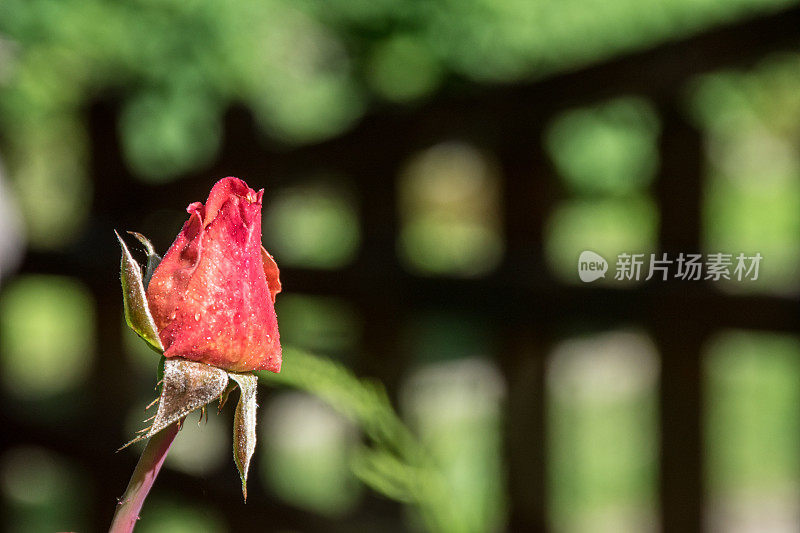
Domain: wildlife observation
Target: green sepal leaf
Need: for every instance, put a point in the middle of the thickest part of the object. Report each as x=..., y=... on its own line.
x=186, y=386
x=137, y=313
x=244, y=425
x=153, y=259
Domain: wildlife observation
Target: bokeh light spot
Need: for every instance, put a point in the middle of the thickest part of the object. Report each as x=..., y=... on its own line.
x=605, y=226
x=603, y=437
x=305, y=450
x=313, y=225
x=455, y=408
x=450, y=212
x=41, y=492
x=752, y=191
x=202, y=447
x=607, y=149
x=402, y=69
x=47, y=340
x=752, y=431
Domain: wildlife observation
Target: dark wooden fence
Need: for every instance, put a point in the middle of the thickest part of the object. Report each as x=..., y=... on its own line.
x=521, y=300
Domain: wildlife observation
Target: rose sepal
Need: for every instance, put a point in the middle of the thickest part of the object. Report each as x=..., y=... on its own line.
x=137, y=312
x=153, y=259
x=244, y=425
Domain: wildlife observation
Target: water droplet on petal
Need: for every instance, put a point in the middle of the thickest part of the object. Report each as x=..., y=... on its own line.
x=197, y=317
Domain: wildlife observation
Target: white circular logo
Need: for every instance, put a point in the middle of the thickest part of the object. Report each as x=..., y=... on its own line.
x=591, y=266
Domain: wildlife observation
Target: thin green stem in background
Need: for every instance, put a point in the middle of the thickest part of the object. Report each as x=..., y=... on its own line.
x=395, y=463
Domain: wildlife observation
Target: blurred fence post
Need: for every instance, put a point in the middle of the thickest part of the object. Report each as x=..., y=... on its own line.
x=527, y=178
x=679, y=327
x=525, y=430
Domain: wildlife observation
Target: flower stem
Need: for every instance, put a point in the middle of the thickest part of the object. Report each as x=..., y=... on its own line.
x=144, y=475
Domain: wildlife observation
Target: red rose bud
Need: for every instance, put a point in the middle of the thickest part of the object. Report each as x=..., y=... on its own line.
x=212, y=296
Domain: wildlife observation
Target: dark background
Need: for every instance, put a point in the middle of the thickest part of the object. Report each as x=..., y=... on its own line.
x=432, y=170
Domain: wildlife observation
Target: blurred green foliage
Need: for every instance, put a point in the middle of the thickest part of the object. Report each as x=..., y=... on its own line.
x=605, y=226
x=313, y=224
x=323, y=325
x=606, y=156
x=166, y=513
x=753, y=430
x=453, y=400
x=201, y=446
x=455, y=407
x=603, y=433
x=46, y=346
x=308, y=70
x=752, y=194
x=42, y=492
x=394, y=463
x=452, y=489
x=306, y=449
x=609, y=149
x=449, y=204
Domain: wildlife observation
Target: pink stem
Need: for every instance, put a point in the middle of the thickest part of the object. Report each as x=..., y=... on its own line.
x=144, y=475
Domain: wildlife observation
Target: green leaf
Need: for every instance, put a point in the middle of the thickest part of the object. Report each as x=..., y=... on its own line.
x=396, y=464
x=244, y=425
x=137, y=313
x=385, y=474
